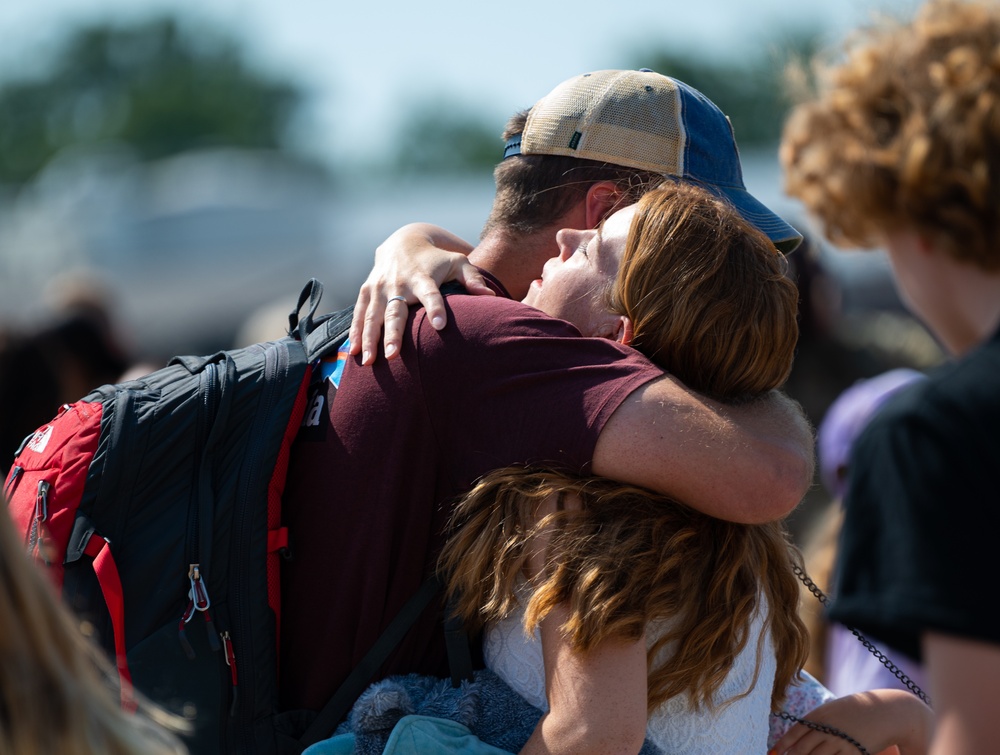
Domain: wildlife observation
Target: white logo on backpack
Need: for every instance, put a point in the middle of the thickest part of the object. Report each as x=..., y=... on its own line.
x=40, y=440
x=315, y=410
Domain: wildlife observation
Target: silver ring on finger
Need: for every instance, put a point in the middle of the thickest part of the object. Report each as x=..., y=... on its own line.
x=395, y=298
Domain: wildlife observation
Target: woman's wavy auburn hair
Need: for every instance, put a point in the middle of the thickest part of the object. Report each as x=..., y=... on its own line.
x=904, y=133
x=708, y=294
x=627, y=557
x=709, y=302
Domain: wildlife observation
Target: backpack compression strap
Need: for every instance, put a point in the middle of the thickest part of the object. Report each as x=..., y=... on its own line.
x=111, y=587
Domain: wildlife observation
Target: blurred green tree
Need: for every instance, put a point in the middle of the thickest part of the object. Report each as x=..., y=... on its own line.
x=752, y=90
x=444, y=136
x=157, y=86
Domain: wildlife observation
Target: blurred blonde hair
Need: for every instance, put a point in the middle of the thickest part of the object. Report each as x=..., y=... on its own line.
x=702, y=288
x=57, y=691
x=904, y=133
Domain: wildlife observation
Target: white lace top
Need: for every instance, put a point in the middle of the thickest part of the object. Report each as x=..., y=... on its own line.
x=741, y=726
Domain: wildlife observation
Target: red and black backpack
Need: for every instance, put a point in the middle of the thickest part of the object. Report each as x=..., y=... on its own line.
x=156, y=504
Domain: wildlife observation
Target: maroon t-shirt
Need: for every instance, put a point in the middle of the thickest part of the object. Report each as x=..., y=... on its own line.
x=374, y=472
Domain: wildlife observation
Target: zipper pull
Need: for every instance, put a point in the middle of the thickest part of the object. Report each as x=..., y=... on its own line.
x=14, y=474
x=182, y=635
x=227, y=643
x=38, y=520
x=199, y=602
x=198, y=593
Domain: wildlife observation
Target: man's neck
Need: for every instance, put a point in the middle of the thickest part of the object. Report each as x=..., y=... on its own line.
x=515, y=260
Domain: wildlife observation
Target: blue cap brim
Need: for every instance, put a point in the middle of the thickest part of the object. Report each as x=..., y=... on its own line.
x=784, y=236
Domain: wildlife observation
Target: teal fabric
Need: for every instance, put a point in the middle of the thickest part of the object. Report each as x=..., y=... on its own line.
x=342, y=744
x=421, y=735
x=486, y=706
x=415, y=735
x=423, y=714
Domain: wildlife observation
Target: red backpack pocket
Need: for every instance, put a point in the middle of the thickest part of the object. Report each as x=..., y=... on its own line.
x=46, y=482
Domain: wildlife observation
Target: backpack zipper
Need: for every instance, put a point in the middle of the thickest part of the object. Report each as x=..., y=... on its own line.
x=198, y=599
x=273, y=366
x=209, y=390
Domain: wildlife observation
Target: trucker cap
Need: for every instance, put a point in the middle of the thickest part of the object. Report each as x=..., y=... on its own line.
x=648, y=121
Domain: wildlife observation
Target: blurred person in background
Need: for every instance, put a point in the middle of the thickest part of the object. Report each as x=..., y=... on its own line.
x=58, y=693
x=56, y=363
x=837, y=657
x=900, y=147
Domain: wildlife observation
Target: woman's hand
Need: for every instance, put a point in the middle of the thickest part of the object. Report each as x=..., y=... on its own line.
x=880, y=720
x=412, y=263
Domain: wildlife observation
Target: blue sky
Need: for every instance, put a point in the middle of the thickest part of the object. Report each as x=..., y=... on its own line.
x=366, y=61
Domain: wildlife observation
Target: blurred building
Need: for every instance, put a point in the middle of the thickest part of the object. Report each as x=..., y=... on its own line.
x=188, y=248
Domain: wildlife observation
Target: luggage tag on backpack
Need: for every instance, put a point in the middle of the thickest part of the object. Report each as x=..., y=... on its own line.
x=328, y=374
x=332, y=368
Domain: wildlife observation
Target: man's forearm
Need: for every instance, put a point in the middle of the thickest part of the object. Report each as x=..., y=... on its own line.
x=750, y=463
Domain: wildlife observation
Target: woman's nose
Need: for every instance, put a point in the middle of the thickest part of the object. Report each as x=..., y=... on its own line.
x=569, y=240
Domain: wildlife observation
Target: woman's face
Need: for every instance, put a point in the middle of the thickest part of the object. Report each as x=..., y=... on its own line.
x=573, y=284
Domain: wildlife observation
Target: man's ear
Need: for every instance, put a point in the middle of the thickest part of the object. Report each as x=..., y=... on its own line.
x=602, y=199
x=623, y=330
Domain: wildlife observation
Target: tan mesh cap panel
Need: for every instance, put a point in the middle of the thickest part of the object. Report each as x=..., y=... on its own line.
x=630, y=118
x=647, y=121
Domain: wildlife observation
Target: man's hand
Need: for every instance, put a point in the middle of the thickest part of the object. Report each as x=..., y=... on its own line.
x=410, y=266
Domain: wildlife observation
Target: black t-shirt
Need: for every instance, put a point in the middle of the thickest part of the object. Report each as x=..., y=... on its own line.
x=922, y=523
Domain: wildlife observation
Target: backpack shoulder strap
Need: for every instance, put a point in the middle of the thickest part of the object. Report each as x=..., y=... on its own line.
x=359, y=678
x=299, y=325
x=318, y=335
x=328, y=333
x=459, y=658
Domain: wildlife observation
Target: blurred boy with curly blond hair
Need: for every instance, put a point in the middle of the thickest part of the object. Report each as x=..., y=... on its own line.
x=901, y=148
